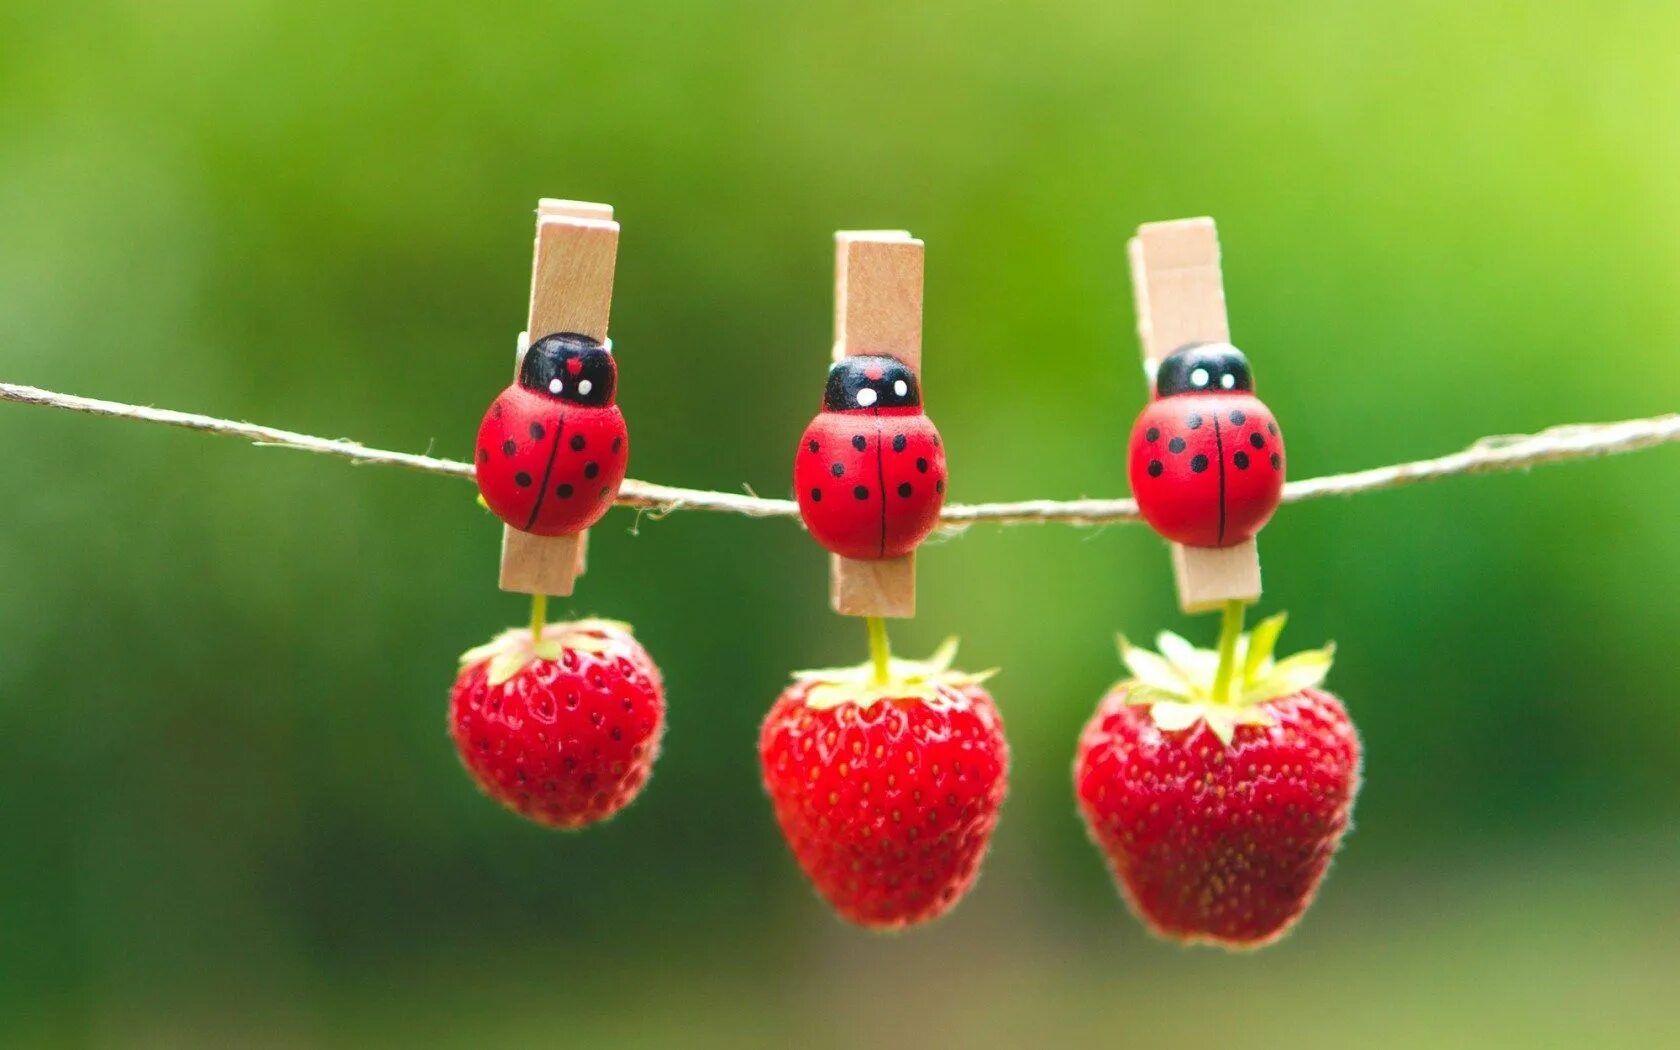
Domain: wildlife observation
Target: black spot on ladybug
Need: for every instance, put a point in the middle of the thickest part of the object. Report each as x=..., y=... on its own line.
x=1238, y=419
x=838, y=470
x=564, y=491
x=816, y=495
x=1241, y=460
x=1276, y=461
x=1199, y=463
x=1155, y=468
x=904, y=489
x=509, y=448
x=898, y=442
x=922, y=464
x=618, y=443
x=1257, y=439
x=591, y=469
x=1271, y=428
x=537, y=431
x=496, y=410
x=1175, y=445
x=936, y=441
x=522, y=479
x=939, y=486
x=1193, y=421
x=483, y=456
x=859, y=443
x=812, y=445
x=578, y=441
x=605, y=489
x=1152, y=434
x=861, y=492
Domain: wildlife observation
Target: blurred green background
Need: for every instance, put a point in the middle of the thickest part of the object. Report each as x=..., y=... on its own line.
x=231, y=813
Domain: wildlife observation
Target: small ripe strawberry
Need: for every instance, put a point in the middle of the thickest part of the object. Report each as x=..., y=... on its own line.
x=563, y=731
x=887, y=792
x=1219, y=819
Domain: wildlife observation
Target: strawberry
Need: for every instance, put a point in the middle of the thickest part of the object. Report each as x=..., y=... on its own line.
x=887, y=786
x=1219, y=817
x=563, y=731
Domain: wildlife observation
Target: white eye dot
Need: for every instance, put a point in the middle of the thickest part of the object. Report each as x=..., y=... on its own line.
x=584, y=387
x=866, y=397
x=1227, y=380
x=1199, y=377
x=554, y=386
x=901, y=388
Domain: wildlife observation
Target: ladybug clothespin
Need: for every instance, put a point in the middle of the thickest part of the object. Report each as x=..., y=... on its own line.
x=870, y=470
x=552, y=449
x=1207, y=461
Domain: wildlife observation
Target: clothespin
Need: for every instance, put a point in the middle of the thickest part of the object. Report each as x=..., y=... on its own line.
x=571, y=291
x=1181, y=301
x=878, y=312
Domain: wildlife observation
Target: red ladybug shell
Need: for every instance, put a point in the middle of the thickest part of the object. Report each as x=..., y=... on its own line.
x=553, y=448
x=1207, y=469
x=870, y=486
x=870, y=480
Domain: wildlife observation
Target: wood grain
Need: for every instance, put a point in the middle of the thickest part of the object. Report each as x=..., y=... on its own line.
x=877, y=310
x=1180, y=297
x=572, y=269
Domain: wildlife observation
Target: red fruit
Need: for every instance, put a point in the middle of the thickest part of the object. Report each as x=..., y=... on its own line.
x=564, y=731
x=1218, y=820
x=887, y=795
x=870, y=471
x=552, y=449
x=1207, y=461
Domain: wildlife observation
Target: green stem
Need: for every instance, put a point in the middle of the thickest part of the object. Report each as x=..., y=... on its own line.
x=539, y=616
x=880, y=652
x=1230, y=628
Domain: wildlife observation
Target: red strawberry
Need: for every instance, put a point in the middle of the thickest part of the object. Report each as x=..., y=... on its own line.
x=564, y=731
x=887, y=793
x=1219, y=819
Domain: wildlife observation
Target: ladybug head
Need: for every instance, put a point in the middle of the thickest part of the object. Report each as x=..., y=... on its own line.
x=873, y=381
x=1203, y=368
x=571, y=367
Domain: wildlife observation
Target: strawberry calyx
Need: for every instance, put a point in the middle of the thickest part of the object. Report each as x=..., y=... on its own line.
x=1179, y=683
x=516, y=648
x=930, y=681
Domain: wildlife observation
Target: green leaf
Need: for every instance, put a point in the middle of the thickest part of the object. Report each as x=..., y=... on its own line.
x=1152, y=669
x=940, y=661
x=1291, y=675
x=1172, y=716
x=506, y=664
x=1262, y=643
x=1138, y=693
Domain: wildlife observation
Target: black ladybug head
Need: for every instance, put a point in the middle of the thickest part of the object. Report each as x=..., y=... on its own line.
x=871, y=382
x=1203, y=368
x=571, y=367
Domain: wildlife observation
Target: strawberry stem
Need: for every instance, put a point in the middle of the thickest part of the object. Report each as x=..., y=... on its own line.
x=1230, y=629
x=539, y=616
x=880, y=651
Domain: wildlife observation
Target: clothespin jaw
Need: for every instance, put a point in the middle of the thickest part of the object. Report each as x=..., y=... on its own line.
x=878, y=311
x=1180, y=297
x=571, y=291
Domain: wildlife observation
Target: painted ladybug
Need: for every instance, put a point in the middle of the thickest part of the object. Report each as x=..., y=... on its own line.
x=1207, y=455
x=552, y=448
x=870, y=471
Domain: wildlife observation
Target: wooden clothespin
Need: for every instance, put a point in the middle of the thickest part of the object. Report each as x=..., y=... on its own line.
x=877, y=310
x=571, y=291
x=1181, y=300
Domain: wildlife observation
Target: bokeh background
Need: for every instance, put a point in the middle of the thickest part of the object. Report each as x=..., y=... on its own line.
x=231, y=815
